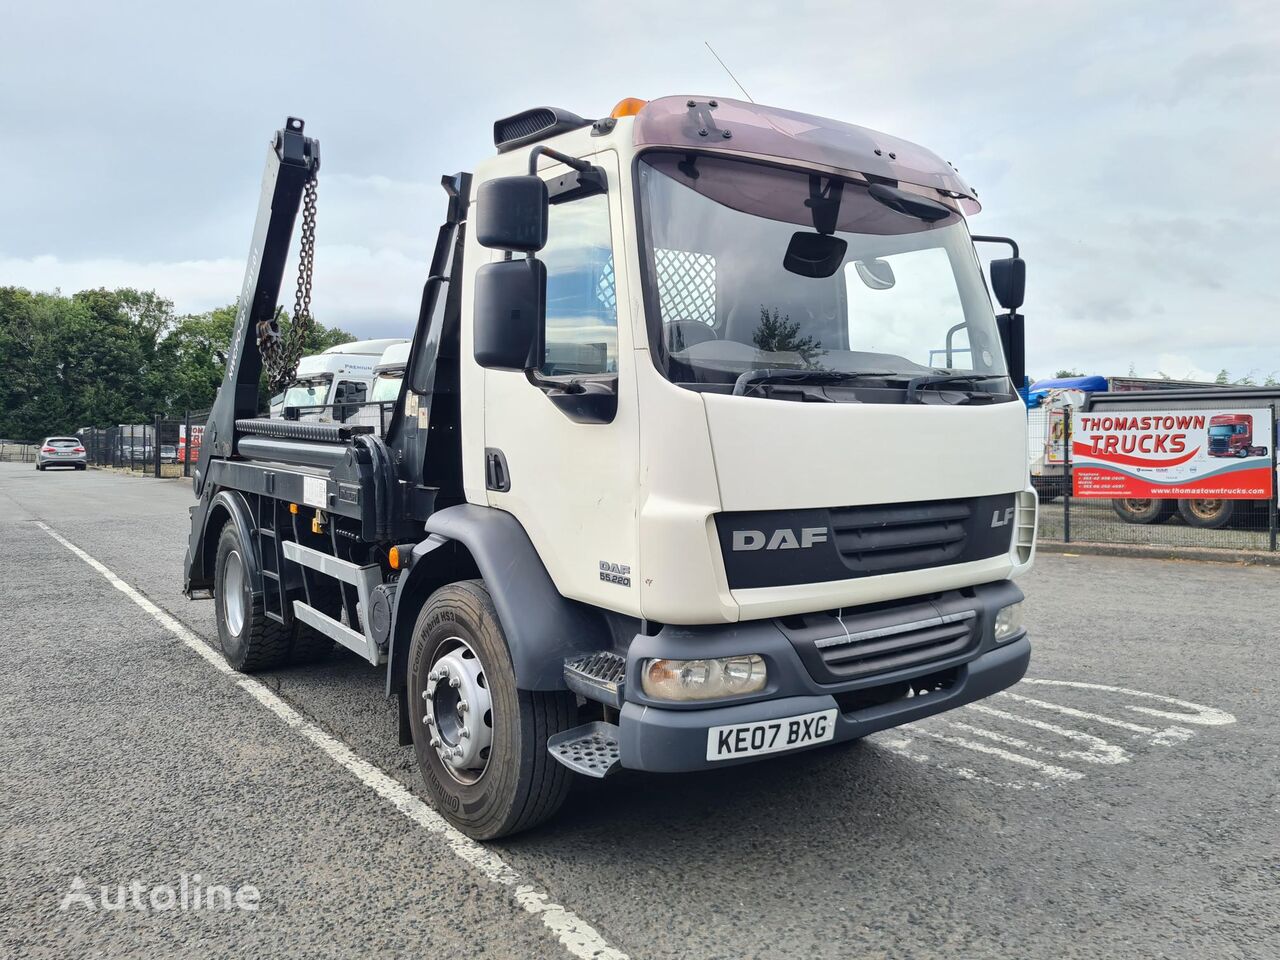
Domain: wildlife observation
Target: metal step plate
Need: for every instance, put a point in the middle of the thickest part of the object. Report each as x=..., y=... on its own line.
x=591, y=749
x=597, y=676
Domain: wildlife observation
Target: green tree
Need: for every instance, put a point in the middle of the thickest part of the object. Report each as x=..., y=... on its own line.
x=104, y=357
x=778, y=334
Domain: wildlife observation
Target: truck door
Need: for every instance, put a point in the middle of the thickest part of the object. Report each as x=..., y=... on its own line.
x=573, y=483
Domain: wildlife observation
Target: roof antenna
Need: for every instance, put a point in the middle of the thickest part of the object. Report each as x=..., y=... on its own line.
x=728, y=71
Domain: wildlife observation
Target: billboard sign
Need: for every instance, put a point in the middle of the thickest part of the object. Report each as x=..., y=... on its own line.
x=1153, y=454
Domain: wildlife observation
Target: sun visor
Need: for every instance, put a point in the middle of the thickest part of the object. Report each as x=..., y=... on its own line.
x=752, y=130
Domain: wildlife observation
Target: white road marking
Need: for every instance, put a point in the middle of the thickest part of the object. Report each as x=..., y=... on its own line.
x=1099, y=750
x=579, y=938
x=1199, y=715
x=1014, y=750
x=1079, y=714
x=901, y=746
x=1166, y=737
x=1050, y=770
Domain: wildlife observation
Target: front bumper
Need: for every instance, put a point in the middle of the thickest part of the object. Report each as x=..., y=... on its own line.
x=664, y=737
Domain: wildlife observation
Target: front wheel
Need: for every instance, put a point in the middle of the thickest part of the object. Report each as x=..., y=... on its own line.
x=481, y=743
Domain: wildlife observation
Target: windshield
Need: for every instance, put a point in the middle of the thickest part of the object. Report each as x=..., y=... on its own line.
x=307, y=393
x=387, y=386
x=895, y=295
x=1225, y=430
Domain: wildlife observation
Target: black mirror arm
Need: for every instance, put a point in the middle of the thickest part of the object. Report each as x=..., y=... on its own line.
x=982, y=239
x=590, y=179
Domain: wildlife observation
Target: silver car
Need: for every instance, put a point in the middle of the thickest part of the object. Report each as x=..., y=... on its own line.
x=62, y=452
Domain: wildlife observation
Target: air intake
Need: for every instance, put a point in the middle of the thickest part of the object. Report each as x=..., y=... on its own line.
x=534, y=125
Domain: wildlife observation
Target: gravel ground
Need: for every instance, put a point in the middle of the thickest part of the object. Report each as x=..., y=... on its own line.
x=1121, y=802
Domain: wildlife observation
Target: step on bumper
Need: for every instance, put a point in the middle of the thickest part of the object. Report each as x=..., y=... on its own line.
x=591, y=749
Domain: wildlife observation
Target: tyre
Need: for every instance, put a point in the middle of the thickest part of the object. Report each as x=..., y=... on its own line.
x=481, y=743
x=1144, y=511
x=1207, y=514
x=250, y=640
x=39, y=466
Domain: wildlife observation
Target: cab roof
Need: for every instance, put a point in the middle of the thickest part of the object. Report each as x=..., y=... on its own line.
x=755, y=130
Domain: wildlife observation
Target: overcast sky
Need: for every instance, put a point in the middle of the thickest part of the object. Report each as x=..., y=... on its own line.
x=1131, y=148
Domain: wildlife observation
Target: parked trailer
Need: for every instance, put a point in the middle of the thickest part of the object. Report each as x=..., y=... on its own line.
x=626, y=512
x=1208, y=513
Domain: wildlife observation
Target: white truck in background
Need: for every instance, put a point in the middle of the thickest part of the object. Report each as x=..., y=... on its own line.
x=332, y=385
x=389, y=373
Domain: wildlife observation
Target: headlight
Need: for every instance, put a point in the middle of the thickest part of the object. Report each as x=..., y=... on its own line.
x=1008, y=621
x=703, y=679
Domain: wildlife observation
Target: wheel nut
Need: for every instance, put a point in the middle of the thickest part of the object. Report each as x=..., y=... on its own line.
x=462, y=707
x=455, y=682
x=435, y=741
x=426, y=695
x=429, y=720
x=464, y=734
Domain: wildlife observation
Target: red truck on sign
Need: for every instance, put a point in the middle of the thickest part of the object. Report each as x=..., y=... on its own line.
x=1231, y=435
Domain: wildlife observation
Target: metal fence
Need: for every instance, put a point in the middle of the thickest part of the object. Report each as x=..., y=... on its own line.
x=1244, y=525
x=11, y=452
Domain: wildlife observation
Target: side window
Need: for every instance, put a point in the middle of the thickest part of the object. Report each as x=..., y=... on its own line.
x=582, y=309
x=349, y=393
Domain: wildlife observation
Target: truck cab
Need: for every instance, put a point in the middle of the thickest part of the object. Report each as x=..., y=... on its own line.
x=1231, y=435
x=707, y=449
x=333, y=384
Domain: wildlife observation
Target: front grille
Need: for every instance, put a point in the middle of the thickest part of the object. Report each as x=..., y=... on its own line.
x=773, y=548
x=897, y=646
x=901, y=536
x=837, y=646
x=1218, y=446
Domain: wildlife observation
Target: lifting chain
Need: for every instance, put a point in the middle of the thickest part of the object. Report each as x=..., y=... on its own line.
x=280, y=354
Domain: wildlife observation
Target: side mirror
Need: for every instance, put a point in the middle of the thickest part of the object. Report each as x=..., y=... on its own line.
x=508, y=313
x=1009, y=282
x=511, y=214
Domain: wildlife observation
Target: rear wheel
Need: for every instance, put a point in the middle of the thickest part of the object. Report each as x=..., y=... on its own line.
x=1144, y=511
x=1207, y=514
x=250, y=640
x=481, y=743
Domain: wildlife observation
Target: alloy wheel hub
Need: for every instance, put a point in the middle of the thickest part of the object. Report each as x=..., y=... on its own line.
x=459, y=714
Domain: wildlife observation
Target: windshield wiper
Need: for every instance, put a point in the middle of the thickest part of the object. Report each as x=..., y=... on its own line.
x=789, y=375
x=929, y=380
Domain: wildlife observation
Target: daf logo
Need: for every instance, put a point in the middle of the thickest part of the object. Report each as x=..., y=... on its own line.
x=998, y=521
x=783, y=539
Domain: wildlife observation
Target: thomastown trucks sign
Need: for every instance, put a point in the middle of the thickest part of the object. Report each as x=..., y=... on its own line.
x=1223, y=454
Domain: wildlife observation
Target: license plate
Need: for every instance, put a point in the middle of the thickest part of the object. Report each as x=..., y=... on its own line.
x=770, y=736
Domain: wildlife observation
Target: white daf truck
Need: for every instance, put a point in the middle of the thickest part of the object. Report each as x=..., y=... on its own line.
x=334, y=384
x=707, y=451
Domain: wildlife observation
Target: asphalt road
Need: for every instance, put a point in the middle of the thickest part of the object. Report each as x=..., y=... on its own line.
x=1122, y=802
